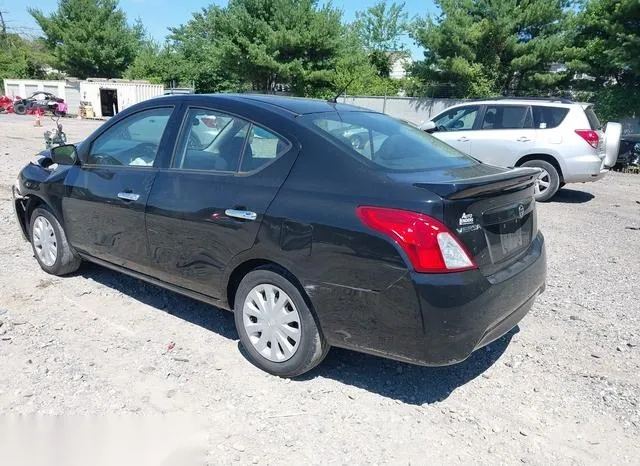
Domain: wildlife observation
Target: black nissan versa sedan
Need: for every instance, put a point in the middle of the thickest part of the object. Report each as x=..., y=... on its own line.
x=398, y=246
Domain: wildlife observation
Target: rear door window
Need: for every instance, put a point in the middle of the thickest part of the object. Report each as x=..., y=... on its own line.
x=262, y=147
x=210, y=141
x=386, y=142
x=507, y=117
x=545, y=117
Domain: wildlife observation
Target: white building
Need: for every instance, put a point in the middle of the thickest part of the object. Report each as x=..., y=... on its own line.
x=106, y=96
x=400, y=62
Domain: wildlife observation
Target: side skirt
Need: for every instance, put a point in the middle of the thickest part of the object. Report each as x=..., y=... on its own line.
x=154, y=281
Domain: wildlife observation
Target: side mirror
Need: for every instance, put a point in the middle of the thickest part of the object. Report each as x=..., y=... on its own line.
x=64, y=155
x=428, y=126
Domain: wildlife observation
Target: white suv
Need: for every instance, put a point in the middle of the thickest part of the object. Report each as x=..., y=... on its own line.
x=562, y=138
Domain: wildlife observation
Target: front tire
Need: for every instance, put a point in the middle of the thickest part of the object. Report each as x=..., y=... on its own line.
x=276, y=327
x=50, y=245
x=19, y=109
x=548, y=182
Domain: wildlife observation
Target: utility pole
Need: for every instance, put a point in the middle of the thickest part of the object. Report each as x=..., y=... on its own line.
x=3, y=26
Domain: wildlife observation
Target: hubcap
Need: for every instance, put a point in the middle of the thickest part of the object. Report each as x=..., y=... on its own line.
x=543, y=181
x=272, y=322
x=45, y=241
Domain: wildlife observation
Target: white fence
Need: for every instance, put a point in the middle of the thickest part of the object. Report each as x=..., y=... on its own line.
x=413, y=109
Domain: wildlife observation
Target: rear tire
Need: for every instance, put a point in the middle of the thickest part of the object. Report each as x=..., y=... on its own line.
x=548, y=182
x=276, y=327
x=50, y=245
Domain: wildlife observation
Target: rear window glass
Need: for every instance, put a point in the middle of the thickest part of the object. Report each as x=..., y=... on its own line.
x=548, y=117
x=387, y=142
x=593, y=118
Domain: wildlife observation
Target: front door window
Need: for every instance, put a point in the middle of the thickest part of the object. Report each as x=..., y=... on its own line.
x=457, y=119
x=133, y=141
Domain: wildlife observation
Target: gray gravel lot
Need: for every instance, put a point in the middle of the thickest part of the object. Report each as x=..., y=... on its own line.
x=562, y=388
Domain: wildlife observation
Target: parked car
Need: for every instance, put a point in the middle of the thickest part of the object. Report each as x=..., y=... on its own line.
x=629, y=153
x=40, y=100
x=411, y=250
x=562, y=138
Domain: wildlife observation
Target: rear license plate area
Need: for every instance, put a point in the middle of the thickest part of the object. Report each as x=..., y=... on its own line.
x=512, y=238
x=508, y=238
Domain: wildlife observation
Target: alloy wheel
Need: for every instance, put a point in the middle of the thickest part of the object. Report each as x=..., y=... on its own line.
x=543, y=182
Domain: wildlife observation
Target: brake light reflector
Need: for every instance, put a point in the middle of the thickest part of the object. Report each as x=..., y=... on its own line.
x=590, y=136
x=430, y=246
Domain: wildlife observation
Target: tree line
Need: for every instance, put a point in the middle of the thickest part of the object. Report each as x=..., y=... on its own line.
x=587, y=49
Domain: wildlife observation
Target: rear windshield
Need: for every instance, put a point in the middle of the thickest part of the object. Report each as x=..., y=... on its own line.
x=593, y=119
x=386, y=142
x=548, y=117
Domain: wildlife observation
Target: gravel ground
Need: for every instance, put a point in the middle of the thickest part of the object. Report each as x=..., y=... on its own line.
x=562, y=388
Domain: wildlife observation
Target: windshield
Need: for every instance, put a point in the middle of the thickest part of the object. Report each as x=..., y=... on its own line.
x=387, y=142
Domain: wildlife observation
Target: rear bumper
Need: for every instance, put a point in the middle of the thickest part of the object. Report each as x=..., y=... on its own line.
x=468, y=311
x=584, y=168
x=433, y=319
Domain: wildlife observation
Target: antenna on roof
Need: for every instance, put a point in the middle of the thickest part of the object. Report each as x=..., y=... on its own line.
x=342, y=91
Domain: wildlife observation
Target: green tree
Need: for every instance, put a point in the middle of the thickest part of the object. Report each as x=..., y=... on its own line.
x=379, y=29
x=259, y=44
x=90, y=37
x=355, y=73
x=477, y=48
x=160, y=65
x=606, y=48
x=22, y=58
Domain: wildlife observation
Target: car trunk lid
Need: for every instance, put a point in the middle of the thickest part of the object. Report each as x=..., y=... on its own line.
x=491, y=210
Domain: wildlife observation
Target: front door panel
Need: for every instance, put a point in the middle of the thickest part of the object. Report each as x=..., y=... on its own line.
x=461, y=140
x=106, y=196
x=102, y=224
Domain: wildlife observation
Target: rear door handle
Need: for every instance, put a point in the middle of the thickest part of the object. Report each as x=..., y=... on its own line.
x=523, y=139
x=128, y=196
x=241, y=214
x=463, y=139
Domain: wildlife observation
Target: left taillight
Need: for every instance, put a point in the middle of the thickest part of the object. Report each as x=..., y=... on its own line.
x=429, y=245
x=590, y=136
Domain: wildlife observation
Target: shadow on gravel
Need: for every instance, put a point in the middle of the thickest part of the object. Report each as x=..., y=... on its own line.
x=191, y=310
x=571, y=196
x=400, y=381
x=404, y=382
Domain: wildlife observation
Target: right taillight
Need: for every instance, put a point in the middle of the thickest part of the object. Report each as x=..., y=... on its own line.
x=590, y=136
x=429, y=245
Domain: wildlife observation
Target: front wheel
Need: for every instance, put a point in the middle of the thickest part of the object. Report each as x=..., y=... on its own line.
x=50, y=245
x=276, y=326
x=548, y=181
x=19, y=109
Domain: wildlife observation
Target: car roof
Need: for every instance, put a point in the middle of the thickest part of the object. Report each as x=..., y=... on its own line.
x=544, y=101
x=281, y=104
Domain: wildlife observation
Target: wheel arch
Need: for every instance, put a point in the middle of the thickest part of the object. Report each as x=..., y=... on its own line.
x=546, y=157
x=30, y=203
x=242, y=269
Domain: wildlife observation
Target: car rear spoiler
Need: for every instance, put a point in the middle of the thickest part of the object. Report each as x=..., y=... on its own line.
x=511, y=180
